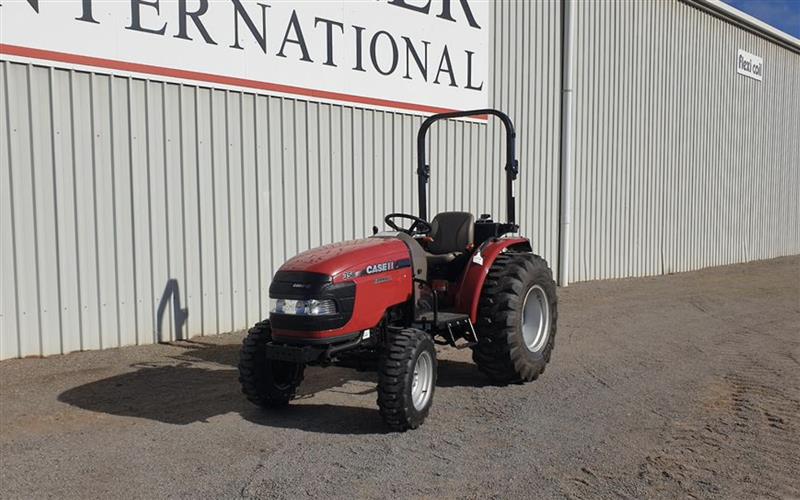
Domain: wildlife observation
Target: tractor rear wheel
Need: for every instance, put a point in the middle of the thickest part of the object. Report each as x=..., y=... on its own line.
x=406, y=378
x=266, y=383
x=516, y=319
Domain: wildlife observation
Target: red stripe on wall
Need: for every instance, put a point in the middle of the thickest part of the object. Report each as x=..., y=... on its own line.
x=98, y=62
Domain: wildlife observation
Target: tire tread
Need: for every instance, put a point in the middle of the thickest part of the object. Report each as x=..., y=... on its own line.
x=252, y=370
x=496, y=355
x=395, y=407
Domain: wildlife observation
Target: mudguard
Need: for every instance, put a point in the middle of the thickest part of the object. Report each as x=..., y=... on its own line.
x=471, y=284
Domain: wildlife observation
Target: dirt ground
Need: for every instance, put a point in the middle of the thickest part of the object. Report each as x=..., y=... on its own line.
x=675, y=386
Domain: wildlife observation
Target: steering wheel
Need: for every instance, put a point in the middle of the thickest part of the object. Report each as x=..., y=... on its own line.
x=418, y=227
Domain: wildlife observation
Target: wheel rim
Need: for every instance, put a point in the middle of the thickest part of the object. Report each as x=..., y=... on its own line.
x=422, y=383
x=535, y=319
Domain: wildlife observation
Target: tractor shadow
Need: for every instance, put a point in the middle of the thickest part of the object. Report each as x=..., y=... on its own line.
x=202, y=383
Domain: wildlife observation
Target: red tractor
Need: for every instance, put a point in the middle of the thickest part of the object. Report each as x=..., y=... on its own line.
x=454, y=281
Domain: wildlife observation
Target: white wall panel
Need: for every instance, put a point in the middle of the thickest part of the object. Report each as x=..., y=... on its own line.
x=680, y=163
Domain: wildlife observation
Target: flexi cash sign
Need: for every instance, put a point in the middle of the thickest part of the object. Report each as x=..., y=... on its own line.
x=415, y=55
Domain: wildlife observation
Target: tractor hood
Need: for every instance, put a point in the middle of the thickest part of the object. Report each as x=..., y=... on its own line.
x=349, y=259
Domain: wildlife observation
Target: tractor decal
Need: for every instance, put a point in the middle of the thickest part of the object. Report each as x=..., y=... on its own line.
x=386, y=266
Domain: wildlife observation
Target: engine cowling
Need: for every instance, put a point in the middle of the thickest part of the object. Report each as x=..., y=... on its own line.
x=363, y=278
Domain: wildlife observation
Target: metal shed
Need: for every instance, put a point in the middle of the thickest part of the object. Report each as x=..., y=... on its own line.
x=139, y=209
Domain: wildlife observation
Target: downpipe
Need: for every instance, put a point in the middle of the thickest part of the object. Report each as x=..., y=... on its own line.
x=565, y=208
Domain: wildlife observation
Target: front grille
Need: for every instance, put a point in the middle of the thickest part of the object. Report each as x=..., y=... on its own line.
x=299, y=285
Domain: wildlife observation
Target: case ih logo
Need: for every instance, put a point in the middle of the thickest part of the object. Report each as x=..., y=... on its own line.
x=377, y=269
x=385, y=267
x=380, y=268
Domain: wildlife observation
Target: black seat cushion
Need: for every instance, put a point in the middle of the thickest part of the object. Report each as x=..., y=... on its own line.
x=451, y=232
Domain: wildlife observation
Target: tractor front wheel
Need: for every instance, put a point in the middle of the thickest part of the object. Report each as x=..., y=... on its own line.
x=406, y=378
x=516, y=319
x=266, y=383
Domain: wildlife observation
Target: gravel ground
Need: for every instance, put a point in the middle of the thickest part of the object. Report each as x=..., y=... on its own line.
x=675, y=386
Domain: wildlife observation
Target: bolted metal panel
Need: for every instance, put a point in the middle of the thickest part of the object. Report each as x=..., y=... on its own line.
x=680, y=163
x=136, y=211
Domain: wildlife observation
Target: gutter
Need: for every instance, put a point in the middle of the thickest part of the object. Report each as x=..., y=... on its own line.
x=565, y=181
x=722, y=10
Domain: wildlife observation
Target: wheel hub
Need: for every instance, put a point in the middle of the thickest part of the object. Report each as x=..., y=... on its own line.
x=535, y=319
x=422, y=383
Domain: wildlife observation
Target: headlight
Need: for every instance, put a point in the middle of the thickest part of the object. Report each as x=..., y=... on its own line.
x=310, y=307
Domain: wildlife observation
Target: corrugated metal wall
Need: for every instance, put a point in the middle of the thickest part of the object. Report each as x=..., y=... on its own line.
x=136, y=211
x=680, y=163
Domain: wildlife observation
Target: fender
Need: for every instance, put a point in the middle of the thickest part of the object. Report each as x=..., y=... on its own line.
x=471, y=285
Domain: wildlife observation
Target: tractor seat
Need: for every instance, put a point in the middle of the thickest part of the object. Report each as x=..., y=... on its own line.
x=452, y=233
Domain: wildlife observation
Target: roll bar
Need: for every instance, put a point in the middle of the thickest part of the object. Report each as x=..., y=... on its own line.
x=424, y=170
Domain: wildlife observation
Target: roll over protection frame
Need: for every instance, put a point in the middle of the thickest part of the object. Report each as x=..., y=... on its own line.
x=511, y=168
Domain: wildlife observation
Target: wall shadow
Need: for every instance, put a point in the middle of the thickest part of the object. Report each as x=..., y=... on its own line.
x=172, y=293
x=200, y=351
x=202, y=383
